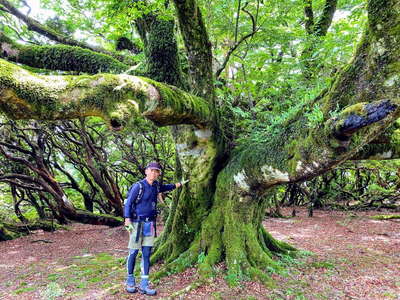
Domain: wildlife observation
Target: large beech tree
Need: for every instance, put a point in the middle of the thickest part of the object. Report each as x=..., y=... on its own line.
x=219, y=213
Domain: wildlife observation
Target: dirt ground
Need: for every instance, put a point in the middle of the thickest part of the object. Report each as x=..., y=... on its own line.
x=346, y=255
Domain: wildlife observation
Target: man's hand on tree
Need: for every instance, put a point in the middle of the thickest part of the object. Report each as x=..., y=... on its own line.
x=180, y=184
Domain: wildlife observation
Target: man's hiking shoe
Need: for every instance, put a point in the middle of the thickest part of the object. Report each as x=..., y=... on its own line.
x=130, y=284
x=144, y=287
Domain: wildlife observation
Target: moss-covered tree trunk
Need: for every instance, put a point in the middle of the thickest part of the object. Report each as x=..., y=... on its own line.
x=230, y=228
x=197, y=153
x=196, y=146
x=231, y=231
x=198, y=150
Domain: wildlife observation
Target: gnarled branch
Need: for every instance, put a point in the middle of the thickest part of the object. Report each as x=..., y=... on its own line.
x=366, y=94
x=116, y=98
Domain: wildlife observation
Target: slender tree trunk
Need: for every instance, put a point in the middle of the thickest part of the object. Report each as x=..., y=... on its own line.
x=39, y=208
x=17, y=202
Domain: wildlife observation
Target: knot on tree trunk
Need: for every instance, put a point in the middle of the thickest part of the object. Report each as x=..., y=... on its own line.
x=359, y=116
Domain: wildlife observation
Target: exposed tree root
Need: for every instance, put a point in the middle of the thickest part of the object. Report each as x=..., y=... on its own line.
x=185, y=260
x=385, y=217
x=12, y=231
x=248, y=250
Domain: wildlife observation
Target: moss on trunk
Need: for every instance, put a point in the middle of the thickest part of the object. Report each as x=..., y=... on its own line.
x=162, y=52
x=197, y=152
x=198, y=47
x=231, y=232
x=57, y=36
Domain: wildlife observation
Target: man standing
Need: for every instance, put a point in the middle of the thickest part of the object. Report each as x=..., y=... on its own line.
x=140, y=215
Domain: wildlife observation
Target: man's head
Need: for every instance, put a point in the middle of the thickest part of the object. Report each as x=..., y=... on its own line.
x=153, y=170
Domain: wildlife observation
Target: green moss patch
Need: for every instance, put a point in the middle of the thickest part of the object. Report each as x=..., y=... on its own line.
x=385, y=217
x=79, y=275
x=24, y=290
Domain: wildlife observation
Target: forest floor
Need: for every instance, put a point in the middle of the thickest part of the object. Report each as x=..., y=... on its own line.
x=348, y=255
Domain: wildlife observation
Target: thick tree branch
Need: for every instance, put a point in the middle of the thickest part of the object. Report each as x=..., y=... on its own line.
x=52, y=34
x=344, y=136
x=384, y=147
x=366, y=93
x=317, y=30
x=59, y=57
x=318, y=151
x=350, y=121
x=23, y=181
x=15, y=147
x=19, y=160
x=21, y=184
x=161, y=50
x=116, y=98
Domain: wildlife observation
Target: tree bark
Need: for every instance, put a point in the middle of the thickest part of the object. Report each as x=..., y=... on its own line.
x=161, y=50
x=196, y=147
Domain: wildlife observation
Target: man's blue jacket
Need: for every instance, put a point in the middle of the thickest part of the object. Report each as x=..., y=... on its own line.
x=147, y=206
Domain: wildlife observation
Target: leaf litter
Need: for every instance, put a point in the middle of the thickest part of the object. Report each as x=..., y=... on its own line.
x=344, y=255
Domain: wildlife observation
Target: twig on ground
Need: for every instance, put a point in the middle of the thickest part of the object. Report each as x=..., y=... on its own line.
x=194, y=285
x=44, y=241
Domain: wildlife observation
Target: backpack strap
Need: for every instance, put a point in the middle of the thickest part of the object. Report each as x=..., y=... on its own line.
x=138, y=198
x=140, y=194
x=158, y=188
x=155, y=219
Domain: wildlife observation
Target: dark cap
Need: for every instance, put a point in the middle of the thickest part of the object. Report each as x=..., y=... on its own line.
x=154, y=165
